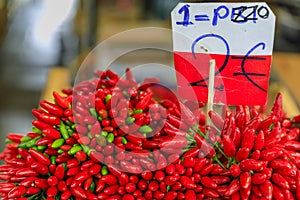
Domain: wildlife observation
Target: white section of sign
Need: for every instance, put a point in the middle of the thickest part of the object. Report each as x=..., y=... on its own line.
x=221, y=27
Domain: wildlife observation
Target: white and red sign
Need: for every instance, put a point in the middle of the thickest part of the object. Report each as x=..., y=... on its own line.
x=239, y=36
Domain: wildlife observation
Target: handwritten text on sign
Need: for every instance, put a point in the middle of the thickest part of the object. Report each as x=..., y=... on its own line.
x=239, y=36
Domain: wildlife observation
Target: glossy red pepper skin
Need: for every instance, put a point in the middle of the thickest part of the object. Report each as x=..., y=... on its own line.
x=61, y=101
x=245, y=180
x=39, y=157
x=208, y=182
x=232, y=188
x=277, y=106
x=267, y=189
x=177, y=142
x=271, y=154
x=228, y=146
x=51, y=133
x=16, y=192
x=216, y=119
x=248, y=139
x=52, y=108
x=78, y=192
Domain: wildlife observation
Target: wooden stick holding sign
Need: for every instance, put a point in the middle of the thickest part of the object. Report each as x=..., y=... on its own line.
x=211, y=90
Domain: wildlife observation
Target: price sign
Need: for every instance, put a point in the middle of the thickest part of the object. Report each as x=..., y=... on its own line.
x=238, y=36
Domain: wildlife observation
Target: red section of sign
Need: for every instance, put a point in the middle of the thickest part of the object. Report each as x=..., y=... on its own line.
x=239, y=80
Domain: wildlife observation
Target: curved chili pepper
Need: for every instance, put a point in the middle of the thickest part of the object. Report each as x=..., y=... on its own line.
x=232, y=188
x=61, y=101
x=228, y=146
x=52, y=108
x=192, y=152
x=277, y=106
x=39, y=157
x=144, y=103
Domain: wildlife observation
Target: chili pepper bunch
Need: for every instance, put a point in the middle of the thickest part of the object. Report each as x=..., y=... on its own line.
x=112, y=138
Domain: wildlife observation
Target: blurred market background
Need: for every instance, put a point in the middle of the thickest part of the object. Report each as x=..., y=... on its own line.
x=38, y=35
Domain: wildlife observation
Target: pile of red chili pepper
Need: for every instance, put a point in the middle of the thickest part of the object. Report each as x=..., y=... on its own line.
x=112, y=138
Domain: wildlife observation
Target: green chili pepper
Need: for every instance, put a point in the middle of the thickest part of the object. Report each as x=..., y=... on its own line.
x=138, y=111
x=58, y=143
x=145, y=129
x=104, y=133
x=40, y=148
x=93, y=112
x=92, y=187
x=31, y=143
x=124, y=141
x=36, y=130
x=85, y=148
x=63, y=130
x=90, y=135
x=104, y=170
x=130, y=120
x=107, y=98
x=60, y=151
x=8, y=141
x=110, y=137
x=74, y=149
x=25, y=139
x=53, y=158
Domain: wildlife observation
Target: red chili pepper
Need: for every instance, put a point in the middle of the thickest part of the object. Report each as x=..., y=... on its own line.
x=220, y=180
x=52, y=108
x=277, y=106
x=16, y=192
x=210, y=193
x=216, y=119
x=192, y=152
x=267, y=189
x=61, y=101
x=245, y=180
x=78, y=192
x=248, y=139
x=150, y=144
x=242, y=154
x=111, y=190
x=39, y=156
x=259, y=141
x=280, y=181
x=208, y=182
x=51, y=191
x=43, y=141
x=250, y=164
x=41, y=183
x=280, y=164
x=49, y=119
x=176, y=122
x=258, y=178
x=51, y=133
x=32, y=190
x=232, y=188
x=66, y=195
x=177, y=142
x=41, y=125
x=271, y=154
x=14, y=137
x=228, y=146
x=60, y=172
x=174, y=132
x=26, y=172
x=144, y=103
x=277, y=193
x=28, y=181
